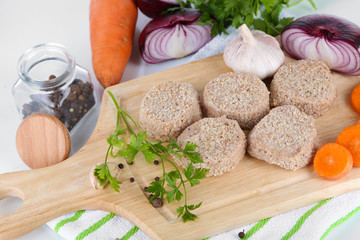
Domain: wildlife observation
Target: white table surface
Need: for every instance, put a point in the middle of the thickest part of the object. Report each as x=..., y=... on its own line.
x=26, y=23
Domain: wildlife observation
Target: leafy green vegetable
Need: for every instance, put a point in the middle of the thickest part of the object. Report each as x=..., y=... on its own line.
x=224, y=13
x=175, y=180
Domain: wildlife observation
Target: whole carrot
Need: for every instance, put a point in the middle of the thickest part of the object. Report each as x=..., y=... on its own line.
x=112, y=27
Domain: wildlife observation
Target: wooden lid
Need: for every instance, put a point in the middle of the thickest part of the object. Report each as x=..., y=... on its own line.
x=42, y=140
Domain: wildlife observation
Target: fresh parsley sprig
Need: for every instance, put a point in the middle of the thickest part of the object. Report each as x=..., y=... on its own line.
x=175, y=180
x=224, y=13
x=102, y=172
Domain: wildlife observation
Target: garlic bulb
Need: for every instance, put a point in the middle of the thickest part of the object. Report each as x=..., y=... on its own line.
x=114, y=171
x=254, y=52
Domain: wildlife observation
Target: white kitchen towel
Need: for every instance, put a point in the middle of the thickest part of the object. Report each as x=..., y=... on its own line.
x=310, y=222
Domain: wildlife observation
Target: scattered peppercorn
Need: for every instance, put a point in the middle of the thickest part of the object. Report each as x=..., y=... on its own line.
x=151, y=195
x=157, y=179
x=121, y=166
x=242, y=234
x=145, y=189
x=156, y=162
x=132, y=179
x=157, y=202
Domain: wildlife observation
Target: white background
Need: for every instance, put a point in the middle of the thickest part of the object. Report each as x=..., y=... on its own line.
x=26, y=23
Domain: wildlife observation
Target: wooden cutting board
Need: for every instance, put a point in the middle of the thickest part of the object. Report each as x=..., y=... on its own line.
x=252, y=191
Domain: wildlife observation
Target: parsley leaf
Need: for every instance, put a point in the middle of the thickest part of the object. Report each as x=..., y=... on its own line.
x=148, y=154
x=173, y=175
x=101, y=172
x=157, y=147
x=157, y=189
x=193, y=175
x=129, y=152
x=193, y=207
x=189, y=151
x=188, y=216
x=114, y=140
x=103, y=175
x=174, y=194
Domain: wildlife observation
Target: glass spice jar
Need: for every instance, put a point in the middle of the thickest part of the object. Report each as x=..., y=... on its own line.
x=50, y=82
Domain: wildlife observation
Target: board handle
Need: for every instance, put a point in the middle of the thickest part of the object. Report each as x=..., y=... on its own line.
x=41, y=202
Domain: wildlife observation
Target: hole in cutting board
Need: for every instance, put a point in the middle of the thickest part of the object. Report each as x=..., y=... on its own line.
x=10, y=205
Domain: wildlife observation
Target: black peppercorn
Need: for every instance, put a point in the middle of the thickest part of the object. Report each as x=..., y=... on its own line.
x=157, y=179
x=156, y=162
x=145, y=189
x=121, y=166
x=157, y=202
x=241, y=234
x=132, y=179
x=151, y=195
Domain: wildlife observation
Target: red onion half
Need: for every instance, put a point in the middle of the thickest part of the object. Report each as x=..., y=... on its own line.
x=174, y=35
x=331, y=39
x=153, y=8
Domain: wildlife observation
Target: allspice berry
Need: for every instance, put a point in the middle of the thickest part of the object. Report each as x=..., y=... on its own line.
x=157, y=202
x=242, y=234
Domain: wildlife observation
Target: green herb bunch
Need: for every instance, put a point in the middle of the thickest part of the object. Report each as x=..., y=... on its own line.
x=224, y=13
x=174, y=180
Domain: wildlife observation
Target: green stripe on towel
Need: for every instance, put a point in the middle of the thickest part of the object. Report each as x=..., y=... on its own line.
x=339, y=222
x=130, y=233
x=302, y=219
x=76, y=216
x=95, y=226
x=256, y=228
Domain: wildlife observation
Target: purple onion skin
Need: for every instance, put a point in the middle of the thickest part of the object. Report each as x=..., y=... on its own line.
x=170, y=21
x=153, y=8
x=342, y=36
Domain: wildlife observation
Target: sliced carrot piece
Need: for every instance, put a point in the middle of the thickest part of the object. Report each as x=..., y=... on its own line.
x=350, y=138
x=333, y=161
x=355, y=99
x=358, y=122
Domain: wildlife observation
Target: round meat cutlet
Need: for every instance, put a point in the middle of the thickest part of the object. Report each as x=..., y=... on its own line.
x=285, y=137
x=168, y=108
x=220, y=141
x=306, y=84
x=239, y=96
